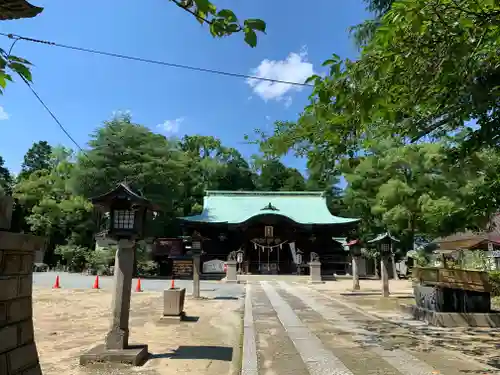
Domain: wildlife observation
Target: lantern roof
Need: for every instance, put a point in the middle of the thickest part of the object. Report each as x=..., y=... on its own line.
x=383, y=236
x=15, y=9
x=122, y=190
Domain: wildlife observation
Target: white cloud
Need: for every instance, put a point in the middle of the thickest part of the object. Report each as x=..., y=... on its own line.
x=268, y=118
x=3, y=114
x=171, y=126
x=295, y=68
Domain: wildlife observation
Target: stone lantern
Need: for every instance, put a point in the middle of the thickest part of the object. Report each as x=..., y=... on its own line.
x=384, y=243
x=127, y=214
x=196, y=251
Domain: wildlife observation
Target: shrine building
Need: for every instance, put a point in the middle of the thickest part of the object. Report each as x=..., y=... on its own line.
x=271, y=228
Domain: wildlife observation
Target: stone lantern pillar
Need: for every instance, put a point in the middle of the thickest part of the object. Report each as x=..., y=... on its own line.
x=127, y=212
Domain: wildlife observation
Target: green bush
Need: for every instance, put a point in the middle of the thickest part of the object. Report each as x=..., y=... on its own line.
x=148, y=268
x=495, y=282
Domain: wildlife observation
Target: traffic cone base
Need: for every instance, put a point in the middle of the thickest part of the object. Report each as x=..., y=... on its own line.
x=138, y=287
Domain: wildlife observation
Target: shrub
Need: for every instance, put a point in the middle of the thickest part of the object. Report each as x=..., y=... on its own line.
x=495, y=283
x=148, y=268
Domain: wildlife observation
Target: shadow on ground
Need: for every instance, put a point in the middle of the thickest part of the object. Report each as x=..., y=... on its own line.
x=216, y=353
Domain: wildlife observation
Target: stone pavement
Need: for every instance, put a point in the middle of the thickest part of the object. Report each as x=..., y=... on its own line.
x=297, y=330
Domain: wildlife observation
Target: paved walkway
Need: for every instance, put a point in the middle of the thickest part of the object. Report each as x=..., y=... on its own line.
x=296, y=330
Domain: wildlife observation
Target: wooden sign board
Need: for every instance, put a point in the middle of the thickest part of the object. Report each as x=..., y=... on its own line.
x=182, y=268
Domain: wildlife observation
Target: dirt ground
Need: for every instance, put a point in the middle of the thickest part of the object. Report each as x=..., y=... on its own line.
x=481, y=344
x=69, y=322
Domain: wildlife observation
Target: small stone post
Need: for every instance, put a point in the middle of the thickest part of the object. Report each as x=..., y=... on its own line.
x=231, y=274
x=196, y=275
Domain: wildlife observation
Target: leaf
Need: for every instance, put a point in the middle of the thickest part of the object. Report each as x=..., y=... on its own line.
x=250, y=37
x=21, y=70
x=203, y=5
x=19, y=59
x=200, y=16
x=3, y=81
x=228, y=15
x=256, y=24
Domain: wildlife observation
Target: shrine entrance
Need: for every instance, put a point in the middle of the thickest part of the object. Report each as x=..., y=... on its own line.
x=269, y=256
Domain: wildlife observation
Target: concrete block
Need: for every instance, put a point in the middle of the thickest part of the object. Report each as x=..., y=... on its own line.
x=11, y=264
x=25, y=332
x=23, y=357
x=20, y=309
x=33, y=371
x=8, y=287
x=133, y=355
x=25, y=288
x=3, y=363
x=173, y=301
x=3, y=314
x=27, y=263
x=20, y=241
x=8, y=339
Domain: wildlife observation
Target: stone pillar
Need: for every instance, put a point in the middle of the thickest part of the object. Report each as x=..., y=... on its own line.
x=196, y=275
x=355, y=273
x=18, y=353
x=116, y=347
x=315, y=272
x=384, y=275
x=117, y=337
x=231, y=274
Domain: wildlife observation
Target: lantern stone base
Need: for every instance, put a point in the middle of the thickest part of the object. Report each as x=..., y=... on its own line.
x=134, y=355
x=315, y=273
x=231, y=274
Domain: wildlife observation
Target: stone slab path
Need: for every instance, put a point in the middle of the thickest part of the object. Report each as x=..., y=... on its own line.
x=292, y=329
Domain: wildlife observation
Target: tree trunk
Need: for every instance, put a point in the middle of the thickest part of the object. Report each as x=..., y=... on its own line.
x=394, y=270
x=384, y=276
x=355, y=273
x=377, y=272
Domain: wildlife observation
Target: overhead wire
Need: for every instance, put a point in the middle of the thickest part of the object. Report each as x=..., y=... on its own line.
x=156, y=62
x=17, y=38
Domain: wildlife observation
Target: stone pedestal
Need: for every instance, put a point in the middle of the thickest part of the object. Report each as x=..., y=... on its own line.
x=116, y=347
x=173, y=305
x=315, y=273
x=231, y=274
x=451, y=300
x=18, y=353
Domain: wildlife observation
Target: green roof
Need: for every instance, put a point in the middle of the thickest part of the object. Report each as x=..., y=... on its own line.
x=236, y=207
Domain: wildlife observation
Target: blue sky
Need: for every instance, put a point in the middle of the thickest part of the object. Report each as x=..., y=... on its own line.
x=84, y=90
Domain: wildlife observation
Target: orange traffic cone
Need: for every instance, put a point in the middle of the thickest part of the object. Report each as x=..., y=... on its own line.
x=172, y=284
x=96, y=283
x=56, y=285
x=138, y=287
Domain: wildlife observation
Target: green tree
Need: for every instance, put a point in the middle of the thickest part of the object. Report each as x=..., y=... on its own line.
x=121, y=151
x=5, y=179
x=37, y=158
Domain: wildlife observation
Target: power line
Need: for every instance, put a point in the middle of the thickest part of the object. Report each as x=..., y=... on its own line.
x=156, y=62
